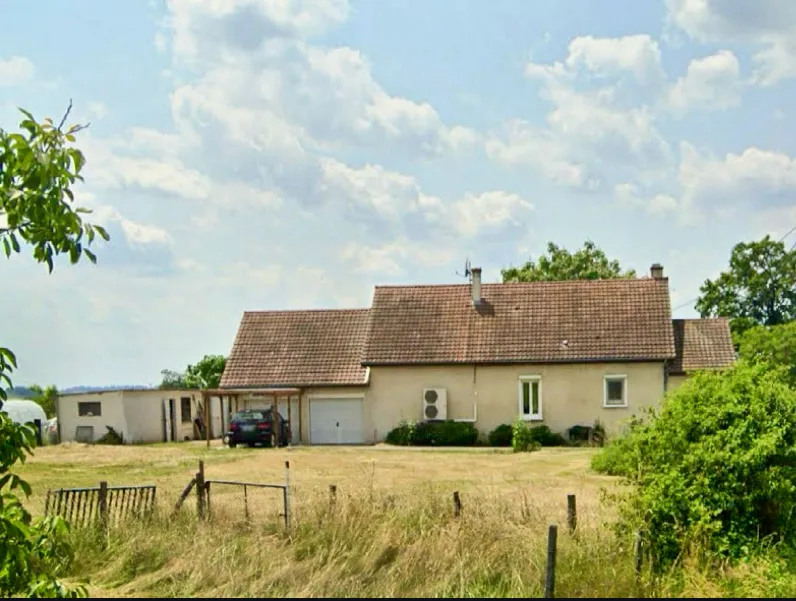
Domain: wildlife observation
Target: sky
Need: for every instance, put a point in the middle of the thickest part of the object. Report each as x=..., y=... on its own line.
x=290, y=154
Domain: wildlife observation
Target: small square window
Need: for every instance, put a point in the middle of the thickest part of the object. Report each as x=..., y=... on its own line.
x=615, y=393
x=89, y=409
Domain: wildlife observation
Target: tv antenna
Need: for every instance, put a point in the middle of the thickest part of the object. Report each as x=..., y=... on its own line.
x=467, y=269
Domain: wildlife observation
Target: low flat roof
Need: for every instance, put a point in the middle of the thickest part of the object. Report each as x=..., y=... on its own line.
x=126, y=390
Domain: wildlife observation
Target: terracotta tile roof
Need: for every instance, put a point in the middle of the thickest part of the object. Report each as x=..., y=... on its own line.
x=598, y=319
x=297, y=348
x=702, y=344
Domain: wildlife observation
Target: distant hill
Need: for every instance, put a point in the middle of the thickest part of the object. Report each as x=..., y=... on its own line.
x=80, y=389
x=20, y=392
x=23, y=392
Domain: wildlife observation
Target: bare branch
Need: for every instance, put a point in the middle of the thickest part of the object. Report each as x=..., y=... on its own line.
x=66, y=115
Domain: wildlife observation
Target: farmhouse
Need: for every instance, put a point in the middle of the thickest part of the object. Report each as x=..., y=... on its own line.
x=556, y=353
x=139, y=415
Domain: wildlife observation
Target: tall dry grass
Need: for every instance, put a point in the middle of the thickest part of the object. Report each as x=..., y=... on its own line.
x=376, y=544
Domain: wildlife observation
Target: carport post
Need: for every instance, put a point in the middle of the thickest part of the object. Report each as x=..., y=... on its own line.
x=275, y=416
x=206, y=407
x=289, y=421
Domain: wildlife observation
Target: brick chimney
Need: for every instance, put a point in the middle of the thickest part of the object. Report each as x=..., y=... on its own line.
x=656, y=271
x=475, y=284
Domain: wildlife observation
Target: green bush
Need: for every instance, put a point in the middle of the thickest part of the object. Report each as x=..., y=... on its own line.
x=716, y=467
x=587, y=434
x=501, y=436
x=522, y=439
x=434, y=434
x=619, y=457
x=545, y=437
x=401, y=435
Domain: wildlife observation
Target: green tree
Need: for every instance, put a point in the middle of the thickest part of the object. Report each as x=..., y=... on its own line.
x=204, y=374
x=47, y=397
x=758, y=288
x=587, y=263
x=775, y=345
x=38, y=167
x=172, y=380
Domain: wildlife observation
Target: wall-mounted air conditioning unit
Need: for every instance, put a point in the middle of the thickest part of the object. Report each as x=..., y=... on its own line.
x=435, y=403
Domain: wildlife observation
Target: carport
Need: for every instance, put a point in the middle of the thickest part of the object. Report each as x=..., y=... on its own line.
x=235, y=396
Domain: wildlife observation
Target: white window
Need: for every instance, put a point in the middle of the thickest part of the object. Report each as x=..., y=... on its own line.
x=530, y=392
x=615, y=391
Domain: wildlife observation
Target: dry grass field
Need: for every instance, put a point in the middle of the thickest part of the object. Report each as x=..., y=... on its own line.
x=391, y=533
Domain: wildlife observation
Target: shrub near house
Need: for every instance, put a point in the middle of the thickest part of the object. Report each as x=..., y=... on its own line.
x=434, y=434
x=716, y=467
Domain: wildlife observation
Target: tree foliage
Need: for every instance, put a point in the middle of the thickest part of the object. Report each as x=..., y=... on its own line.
x=758, y=288
x=38, y=167
x=716, y=467
x=46, y=397
x=587, y=263
x=172, y=380
x=775, y=345
x=204, y=374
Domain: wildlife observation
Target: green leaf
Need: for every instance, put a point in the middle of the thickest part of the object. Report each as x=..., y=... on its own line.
x=6, y=247
x=101, y=231
x=91, y=256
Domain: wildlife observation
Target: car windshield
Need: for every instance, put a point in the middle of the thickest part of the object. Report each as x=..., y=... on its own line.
x=250, y=416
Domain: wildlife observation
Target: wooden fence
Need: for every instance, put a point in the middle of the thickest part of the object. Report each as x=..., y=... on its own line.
x=103, y=503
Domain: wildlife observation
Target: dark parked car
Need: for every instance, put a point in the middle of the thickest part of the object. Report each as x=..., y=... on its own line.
x=255, y=426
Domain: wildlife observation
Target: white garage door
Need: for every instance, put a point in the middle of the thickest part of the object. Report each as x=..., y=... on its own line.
x=337, y=421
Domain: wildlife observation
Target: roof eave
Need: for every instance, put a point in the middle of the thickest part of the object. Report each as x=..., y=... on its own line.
x=527, y=361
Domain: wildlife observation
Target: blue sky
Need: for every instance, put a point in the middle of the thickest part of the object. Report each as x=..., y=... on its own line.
x=263, y=154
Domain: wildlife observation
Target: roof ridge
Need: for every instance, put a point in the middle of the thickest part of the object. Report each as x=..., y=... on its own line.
x=284, y=311
x=645, y=280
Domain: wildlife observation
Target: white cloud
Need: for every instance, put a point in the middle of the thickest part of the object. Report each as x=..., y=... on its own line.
x=594, y=124
x=477, y=214
x=394, y=197
x=136, y=234
x=638, y=54
x=754, y=179
x=711, y=82
x=391, y=258
x=767, y=25
x=97, y=110
x=15, y=70
x=629, y=194
x=259, y=76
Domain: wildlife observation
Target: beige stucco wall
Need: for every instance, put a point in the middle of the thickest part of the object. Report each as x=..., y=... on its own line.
x=572, y=394
x=112, y=414
x=676, y=381
x=144, y=414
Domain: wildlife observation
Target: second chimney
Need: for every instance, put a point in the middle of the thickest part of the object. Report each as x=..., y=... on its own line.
x=656, y=271
x=475, y=284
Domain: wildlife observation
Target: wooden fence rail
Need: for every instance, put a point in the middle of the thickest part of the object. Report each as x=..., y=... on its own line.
x=103, y=503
